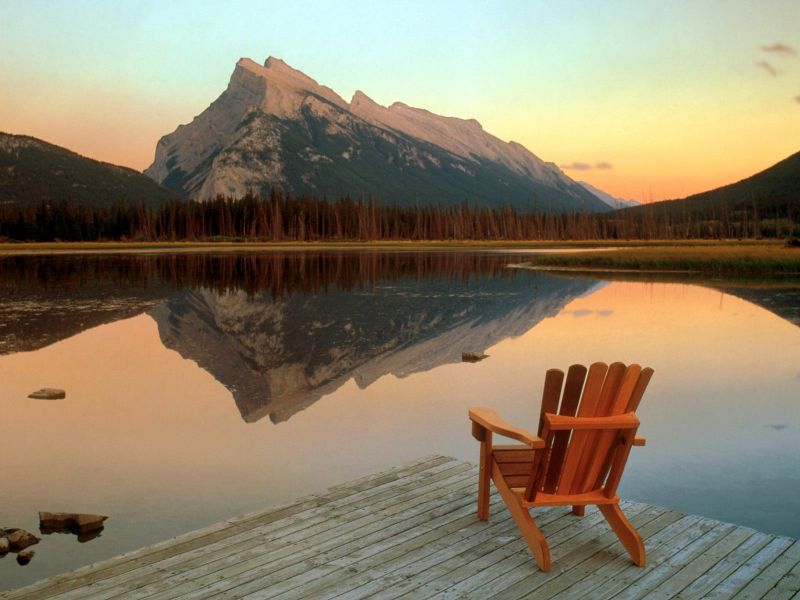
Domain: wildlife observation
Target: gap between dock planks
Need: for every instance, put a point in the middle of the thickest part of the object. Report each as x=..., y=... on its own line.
x=411, y=532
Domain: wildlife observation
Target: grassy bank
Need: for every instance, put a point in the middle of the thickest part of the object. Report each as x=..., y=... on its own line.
x=709, y=257
x=717, y=259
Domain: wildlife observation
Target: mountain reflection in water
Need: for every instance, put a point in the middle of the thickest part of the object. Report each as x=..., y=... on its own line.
x=281, y=330
x=279, y=355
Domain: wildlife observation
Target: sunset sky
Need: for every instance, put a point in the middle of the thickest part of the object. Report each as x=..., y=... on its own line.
x=668, y=98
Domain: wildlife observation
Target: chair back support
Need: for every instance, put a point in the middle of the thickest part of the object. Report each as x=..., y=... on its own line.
x=584, y=452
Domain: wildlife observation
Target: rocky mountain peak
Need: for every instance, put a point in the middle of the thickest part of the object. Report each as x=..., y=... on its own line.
x=274, y=126
x=278, y=64
x=285, y=88
x=277, y=70
x=247, y=63
x=361, y=99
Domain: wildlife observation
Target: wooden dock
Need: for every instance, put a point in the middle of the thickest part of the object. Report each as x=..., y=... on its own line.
x=411, y=532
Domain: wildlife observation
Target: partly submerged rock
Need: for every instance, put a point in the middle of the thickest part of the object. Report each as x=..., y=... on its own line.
x=78, y=523
x=5, y=546
x=19, y=539
x=473, y=356
x=48, y=394
x=24, y=557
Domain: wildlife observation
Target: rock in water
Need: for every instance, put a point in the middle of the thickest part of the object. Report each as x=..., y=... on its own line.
x=5, y=546
x=48, y=394
x=473, y=356
x=24, y=557
x=19, y=539
x=78, y=523
x=88, y=536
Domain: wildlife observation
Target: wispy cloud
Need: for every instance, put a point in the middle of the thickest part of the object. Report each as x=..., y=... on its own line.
x=577, y=166
x=781, y=49
x=582, y=166
x=762, y=64
x=585, y=312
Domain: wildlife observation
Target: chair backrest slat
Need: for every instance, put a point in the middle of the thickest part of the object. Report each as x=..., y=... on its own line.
x=638, y=392
x=576, y=375
x=551, y=393
x=611, y=387
x=616, y=463
x=588, y=403
x=607, y=473
x=579, y=461
x=609, y=392
x=601, y=457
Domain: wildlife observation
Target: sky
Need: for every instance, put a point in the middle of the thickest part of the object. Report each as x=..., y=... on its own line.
x=644, y=99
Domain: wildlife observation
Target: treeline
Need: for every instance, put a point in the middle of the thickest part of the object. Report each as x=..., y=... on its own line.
x=282, y=217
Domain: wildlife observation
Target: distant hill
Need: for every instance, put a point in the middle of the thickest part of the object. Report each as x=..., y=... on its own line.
x=612, y=201
x=773, y=191
x=275, y=127
x=31, y=170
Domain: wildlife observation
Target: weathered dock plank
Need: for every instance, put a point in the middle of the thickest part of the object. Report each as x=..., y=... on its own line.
x=411, y=532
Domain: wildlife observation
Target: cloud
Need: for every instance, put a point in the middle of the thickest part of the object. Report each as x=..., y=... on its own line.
x=585, y=312
x=577, y=166
x=797, y=98
x=781, y=49
x=582, y=166
x=762, y=64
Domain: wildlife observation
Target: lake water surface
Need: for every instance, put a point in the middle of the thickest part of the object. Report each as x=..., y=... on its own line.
x=200, y=387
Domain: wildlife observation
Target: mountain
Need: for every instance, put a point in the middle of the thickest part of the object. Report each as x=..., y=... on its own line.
x=276, y=127
x=32, y=171
x=773, y=191
x=610, y=200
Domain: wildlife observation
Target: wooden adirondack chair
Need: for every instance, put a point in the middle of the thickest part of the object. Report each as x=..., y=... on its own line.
x=577, y=458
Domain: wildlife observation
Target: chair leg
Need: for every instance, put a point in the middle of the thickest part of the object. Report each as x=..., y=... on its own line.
x=527, y=527
x=629, y=537
x=579, y=510
x=484, y=476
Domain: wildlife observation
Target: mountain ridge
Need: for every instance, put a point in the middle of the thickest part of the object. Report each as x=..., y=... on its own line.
x=274, y=126
x=33, y=170
x=612, y=201
x=776, y=188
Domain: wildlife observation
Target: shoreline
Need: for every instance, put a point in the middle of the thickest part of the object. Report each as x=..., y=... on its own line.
x=727, y=259
x=45, y=248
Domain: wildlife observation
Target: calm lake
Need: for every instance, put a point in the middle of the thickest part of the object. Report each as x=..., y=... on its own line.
x=199, y=387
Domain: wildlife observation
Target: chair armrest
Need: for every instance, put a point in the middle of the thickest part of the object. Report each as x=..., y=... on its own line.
x=639, y=441
x=488, y=419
